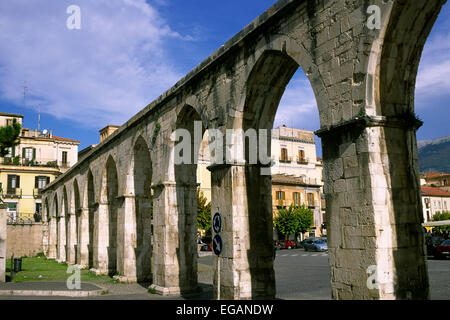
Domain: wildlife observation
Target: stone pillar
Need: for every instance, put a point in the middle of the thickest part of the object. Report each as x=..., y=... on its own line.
x=143, y=238
x=375, y=237
x=2, y=242
x=175, y=245
x=52, y=238
x=83, y=237
x=61, y=250
x=71, y=238
x=126, y=237
x=243, y=197
x=101, y=240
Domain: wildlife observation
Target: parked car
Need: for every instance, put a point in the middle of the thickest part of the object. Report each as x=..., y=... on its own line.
x=206, y=247
x=442, y=250
x=316, y=245
x=288, y=244
x=432, y=243
x=302, y=243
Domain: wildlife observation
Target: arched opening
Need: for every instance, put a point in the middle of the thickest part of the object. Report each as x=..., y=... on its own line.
x=291, y=176
x=403, y=48
x=111, y=193
x=189, y=134
x=78, y=217
x=91, y=209
x=142, y=172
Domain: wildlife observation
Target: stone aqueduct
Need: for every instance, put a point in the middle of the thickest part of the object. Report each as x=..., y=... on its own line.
x=99, y=213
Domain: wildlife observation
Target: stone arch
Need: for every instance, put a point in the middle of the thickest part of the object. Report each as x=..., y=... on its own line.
x=292, y=55
x=264, y=89
x=185, y=175
x=392, y=144
x=109, y=194
x=143, y=208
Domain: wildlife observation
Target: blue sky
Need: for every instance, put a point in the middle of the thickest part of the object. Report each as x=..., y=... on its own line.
x=128, y=52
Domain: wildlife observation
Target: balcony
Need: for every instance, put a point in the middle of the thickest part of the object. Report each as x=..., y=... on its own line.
x=285, y=159
x=11, y=193
x=37, y=193
x=40, y=162
x=302, y=160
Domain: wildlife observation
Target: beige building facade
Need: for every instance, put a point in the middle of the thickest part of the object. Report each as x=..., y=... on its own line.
x=434, y=200
x=36, y=160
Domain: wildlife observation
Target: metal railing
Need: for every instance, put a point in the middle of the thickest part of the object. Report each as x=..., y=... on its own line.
x=37, y=192
x=285, y=159
x=302, y=160
x=11, y=193
x=40, y=162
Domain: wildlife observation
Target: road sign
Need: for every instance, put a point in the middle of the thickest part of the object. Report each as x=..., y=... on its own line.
x=217, y=245
x=217, y=223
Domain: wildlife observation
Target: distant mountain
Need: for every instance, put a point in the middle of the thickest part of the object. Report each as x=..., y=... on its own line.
x=434, y=155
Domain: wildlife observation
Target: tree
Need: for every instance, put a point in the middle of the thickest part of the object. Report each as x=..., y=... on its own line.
x=204, y=219
x=442, y=216
x=305, y=219
x=293, y=220
x=8, y=137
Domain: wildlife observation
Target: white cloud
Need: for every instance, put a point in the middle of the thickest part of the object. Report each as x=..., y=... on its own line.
x=104, y=73
x=298, y=107
x=432, y=79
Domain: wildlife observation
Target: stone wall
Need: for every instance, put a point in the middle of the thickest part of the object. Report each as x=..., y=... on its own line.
x=2, y=242
x=24, y=239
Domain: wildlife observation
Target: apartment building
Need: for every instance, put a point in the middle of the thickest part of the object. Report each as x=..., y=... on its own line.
x=37, y=159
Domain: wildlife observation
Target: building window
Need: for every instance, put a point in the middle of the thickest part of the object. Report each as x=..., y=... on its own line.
x=311, y=199
x=296, y=198
x=9, y=122
x=284, y=154
x=11, y=211
x=41, y=181
x=301, y=156
x=38, y=207
x=64, y=157
x=13, y=183
x=281, y=195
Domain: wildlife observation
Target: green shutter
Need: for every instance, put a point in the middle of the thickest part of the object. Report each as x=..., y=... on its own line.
x=18, y=181
x=34, y=153
x=13, y=153
x=36, y=182
x=23, y=153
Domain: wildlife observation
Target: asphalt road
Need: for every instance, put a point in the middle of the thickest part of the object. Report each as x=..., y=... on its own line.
x=304, y=275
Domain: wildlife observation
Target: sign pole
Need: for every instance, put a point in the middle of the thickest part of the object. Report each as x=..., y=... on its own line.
x=218, y=277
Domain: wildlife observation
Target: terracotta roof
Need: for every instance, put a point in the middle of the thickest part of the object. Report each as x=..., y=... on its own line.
x=64, y=139
x=11, y=115
x=432, y=191
x=436, y=175
x=292, y=180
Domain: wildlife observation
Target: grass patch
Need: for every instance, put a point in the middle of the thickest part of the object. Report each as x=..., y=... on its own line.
x=41, y=269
